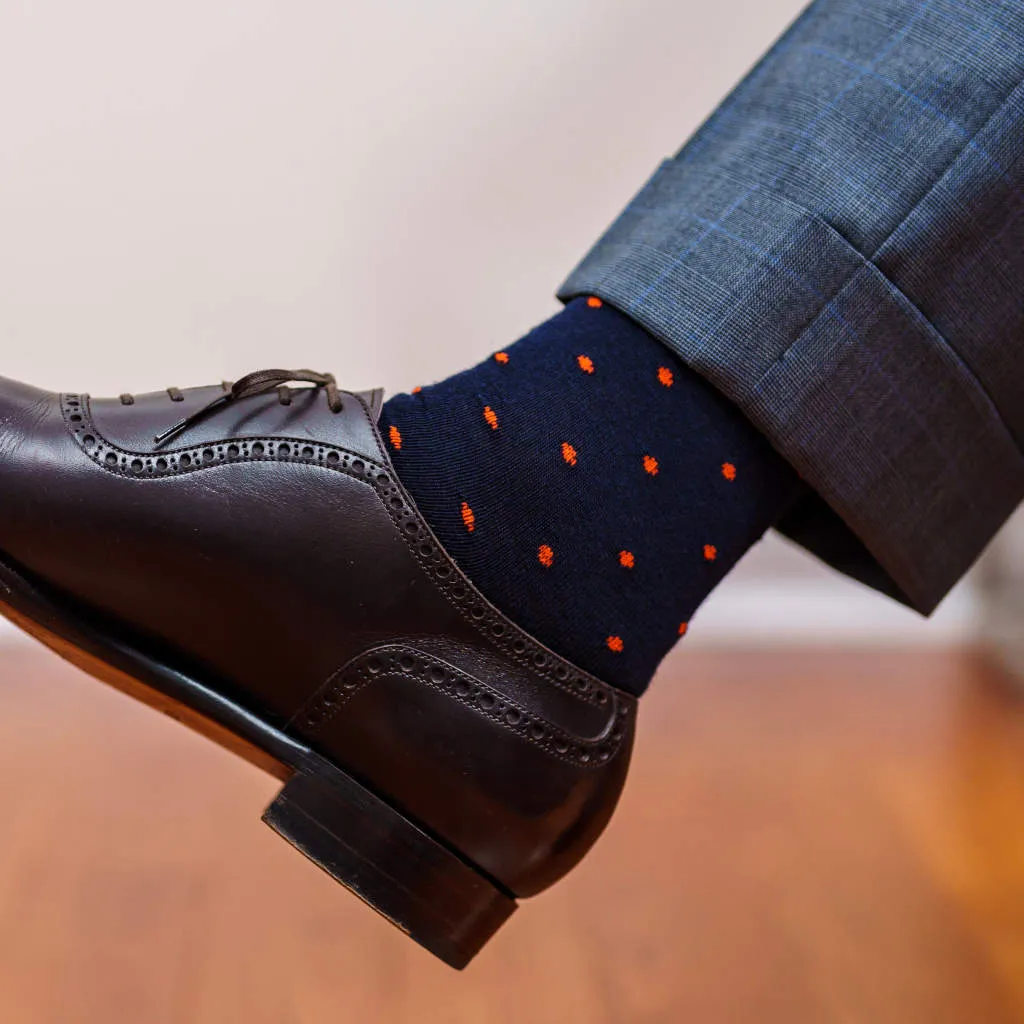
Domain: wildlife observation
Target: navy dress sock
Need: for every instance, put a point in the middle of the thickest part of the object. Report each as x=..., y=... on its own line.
x=593, y=487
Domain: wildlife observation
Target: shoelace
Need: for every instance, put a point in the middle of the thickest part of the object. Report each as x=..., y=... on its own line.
x=259, y=383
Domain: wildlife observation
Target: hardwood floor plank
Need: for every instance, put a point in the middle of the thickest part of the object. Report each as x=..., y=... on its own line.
x=826, y=836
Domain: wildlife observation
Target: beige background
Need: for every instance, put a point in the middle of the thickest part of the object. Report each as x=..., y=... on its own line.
x=190, y=191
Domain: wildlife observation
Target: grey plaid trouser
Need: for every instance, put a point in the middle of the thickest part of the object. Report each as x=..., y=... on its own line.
x=840, y=250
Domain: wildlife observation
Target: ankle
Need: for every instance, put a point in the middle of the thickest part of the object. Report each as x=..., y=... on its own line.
x=591, y=485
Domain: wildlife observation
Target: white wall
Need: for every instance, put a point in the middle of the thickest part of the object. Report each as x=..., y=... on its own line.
x=387, y=190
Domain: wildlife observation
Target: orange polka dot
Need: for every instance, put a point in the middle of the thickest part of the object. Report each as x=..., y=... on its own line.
x=683, y=627
x=626, y=559
x=491, y=416
x=468, y=518
x=395, y=436
x=501, y=357
x=545, y=555
x=651, y=465
x=586, y=364
x=615, y=643
x=569, y=453
x=728, y=471
x=594, y=302
x=710, y=552
x=665, y=376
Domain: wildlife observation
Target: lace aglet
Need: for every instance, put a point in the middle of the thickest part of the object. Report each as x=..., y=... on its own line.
x=172, y=432
x=182, y=425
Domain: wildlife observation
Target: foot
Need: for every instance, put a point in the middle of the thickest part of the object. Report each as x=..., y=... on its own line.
x=246, y=559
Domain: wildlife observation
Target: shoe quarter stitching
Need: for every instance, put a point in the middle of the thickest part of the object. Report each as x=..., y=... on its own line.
x=146, y=467
x=452, y=682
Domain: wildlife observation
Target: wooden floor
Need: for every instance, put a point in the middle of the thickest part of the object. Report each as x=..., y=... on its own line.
x=806, y=838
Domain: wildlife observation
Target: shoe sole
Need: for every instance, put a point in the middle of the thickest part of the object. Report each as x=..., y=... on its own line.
x=418, y=883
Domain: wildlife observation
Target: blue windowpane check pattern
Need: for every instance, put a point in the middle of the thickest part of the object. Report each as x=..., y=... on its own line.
x=840, y=250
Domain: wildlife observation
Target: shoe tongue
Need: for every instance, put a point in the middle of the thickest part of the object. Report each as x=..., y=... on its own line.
x=374, y=402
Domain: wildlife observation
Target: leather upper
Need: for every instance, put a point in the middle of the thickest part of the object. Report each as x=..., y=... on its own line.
x=271, y=550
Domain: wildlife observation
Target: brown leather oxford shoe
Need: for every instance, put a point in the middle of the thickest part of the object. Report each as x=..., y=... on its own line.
x=245, y=559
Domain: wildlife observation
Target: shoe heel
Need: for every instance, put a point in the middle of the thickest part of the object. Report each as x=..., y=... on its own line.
x=418, y=884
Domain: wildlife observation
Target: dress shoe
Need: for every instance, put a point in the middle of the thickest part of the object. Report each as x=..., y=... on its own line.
x=244, y=558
